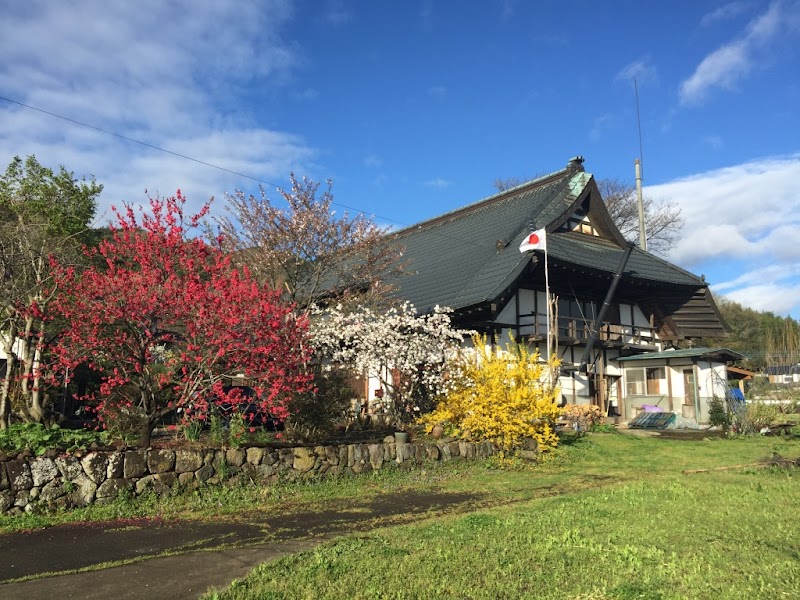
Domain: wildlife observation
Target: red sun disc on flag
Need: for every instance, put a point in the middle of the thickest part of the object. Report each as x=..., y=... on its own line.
x=533, y=239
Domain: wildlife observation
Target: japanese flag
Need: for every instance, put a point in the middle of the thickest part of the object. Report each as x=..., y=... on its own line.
x=534, y=241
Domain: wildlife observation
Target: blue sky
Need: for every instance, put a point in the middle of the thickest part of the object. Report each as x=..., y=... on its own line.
x=413, y=108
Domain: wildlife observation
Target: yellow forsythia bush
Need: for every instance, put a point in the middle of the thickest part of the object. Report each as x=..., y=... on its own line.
x=503, y=396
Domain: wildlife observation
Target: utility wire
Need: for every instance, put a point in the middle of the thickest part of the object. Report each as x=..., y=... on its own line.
x=184, y=156
x=455, y=239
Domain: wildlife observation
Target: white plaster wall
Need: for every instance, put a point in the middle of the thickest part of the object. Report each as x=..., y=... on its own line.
x=639, y=320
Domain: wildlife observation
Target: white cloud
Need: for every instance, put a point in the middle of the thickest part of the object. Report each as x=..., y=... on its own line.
x=726, y=66
x=642, y=70
x=162, y=73
x=776, y=298
x=337, y=14
x=714, y=141
x=724, y=13
x=600, y=125
x=438, y=182
x=372, y=160
x=507, y=8
x=745, y=217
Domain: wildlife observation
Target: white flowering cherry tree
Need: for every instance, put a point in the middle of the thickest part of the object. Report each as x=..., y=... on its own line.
x=408, y=352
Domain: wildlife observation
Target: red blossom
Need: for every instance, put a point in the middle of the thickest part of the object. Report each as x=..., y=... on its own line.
x=167, y=320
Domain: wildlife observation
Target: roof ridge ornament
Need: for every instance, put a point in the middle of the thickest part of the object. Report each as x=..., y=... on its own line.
x=575, y=163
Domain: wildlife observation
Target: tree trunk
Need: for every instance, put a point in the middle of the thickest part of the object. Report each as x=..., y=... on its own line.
x=145, y=434
x=5, y=387
x=5, y=402
x=26, y=356
x=35, y=405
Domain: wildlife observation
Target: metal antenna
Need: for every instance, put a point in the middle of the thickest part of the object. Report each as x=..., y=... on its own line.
x=639, y=170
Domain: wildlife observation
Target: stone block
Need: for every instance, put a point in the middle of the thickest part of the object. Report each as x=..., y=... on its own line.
x=304, y=459
x=160, y=483
x=167, y=479
x=286, y=456
x=135, y=464
x=19, y=475
x=43, y=471
x=375, y=452
x=160, y=461
x=188, y=460
x=69, y=467
x=4, y=481
x=54, y=489
x=95, y=465
x=6, y=500
x=419, y=453
x=235, y=457
x=432, y=451
x=204, y=473
x=444, y=449
x=254, y=455
x=331, y=455
x=22, y=498
x=407, y=450
x=186, y=479
x=264, y=472
x=84, y=491
x=116, y=465
x=111, y=488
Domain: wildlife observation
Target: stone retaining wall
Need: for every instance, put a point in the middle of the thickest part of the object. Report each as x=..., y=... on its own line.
x=29, y=483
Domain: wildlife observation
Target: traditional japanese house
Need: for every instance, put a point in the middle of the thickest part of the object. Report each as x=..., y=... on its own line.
x=469, y=260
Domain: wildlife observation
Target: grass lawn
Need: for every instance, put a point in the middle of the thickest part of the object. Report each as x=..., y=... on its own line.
x=609, y=516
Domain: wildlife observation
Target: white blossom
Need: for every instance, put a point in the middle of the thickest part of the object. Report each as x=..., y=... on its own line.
x=418, y=347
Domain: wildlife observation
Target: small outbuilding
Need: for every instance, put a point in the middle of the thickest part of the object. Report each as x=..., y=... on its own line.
x=683, y=381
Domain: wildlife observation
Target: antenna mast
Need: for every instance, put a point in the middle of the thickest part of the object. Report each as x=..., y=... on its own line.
x=639, y=168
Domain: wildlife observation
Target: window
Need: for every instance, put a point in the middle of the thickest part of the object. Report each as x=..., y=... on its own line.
x=645, y=381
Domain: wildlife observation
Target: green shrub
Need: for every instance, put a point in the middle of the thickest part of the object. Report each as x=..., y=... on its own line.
x=39, y=439
x=191, y=431
x=216, y=434
x=237, y=430
x=760, y=414
x=718, y=414
x=315, y=414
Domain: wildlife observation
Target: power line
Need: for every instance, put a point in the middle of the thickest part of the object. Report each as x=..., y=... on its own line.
x=184, y=156
x=454, y=239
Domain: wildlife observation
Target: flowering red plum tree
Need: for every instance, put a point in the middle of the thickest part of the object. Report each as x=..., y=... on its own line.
x=166, y=320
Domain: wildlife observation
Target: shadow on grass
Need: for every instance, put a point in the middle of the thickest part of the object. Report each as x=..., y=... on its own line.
x=570, y=438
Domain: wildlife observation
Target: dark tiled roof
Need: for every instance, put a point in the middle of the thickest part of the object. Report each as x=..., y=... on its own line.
x=470, y=255
x=597, y=253
x=722, y=354
x=454, y=260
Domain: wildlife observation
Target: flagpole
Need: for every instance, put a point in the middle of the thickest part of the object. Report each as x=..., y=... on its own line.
x=547, y=298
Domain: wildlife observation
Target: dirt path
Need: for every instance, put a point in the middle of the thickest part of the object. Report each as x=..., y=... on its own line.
x=183, y=559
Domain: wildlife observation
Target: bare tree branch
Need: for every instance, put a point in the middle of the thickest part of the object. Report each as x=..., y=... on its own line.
x=306, y=249
x=663, y=220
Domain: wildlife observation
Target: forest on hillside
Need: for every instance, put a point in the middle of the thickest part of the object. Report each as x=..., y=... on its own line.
x=766, y=339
